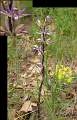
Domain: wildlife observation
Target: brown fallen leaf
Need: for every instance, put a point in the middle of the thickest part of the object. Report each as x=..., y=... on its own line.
x=28, y=106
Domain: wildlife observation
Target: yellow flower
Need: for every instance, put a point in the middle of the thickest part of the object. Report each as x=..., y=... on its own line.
x=63, y=73
x=69, y=80
x=60, y=76
x=65, y=69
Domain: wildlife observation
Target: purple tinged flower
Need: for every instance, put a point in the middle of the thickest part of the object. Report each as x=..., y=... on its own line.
x=40, y=50
x=48, y=19
x=37, y=49
x=38, y=22
x=15, y=17
x=50, y=41
x=4, y=12
x=45, y=32
x=14, y=13
x=49, y=33
x=40, y=40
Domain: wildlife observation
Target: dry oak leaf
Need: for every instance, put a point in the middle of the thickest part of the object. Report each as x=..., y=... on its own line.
x=27, y=106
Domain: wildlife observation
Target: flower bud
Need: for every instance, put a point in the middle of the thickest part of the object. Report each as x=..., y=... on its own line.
x=38, y=22
x=48, y=19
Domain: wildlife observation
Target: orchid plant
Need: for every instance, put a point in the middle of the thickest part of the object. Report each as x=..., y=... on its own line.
x=13, y=15
x=44, y=32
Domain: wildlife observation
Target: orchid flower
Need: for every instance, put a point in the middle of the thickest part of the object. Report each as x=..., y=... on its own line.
x=44, y=29
x=14, y=13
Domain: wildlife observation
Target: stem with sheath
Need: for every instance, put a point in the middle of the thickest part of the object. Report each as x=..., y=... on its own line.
x=42, y=72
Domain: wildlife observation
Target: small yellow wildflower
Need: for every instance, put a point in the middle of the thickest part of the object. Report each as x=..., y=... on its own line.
x=69, y=80
x=63, y=73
